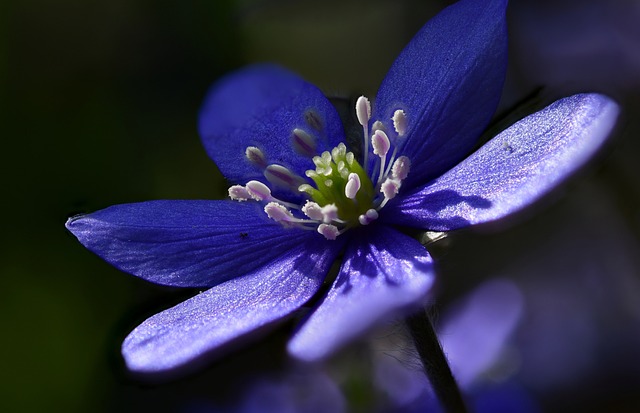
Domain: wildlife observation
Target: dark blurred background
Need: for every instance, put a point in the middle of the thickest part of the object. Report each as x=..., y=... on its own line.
x=99, y=101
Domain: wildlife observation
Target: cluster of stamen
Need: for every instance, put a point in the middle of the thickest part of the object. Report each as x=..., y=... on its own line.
x=345, y=194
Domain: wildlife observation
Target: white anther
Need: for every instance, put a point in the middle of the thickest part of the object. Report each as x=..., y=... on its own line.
x=303, y=143
x=328, y=183
x=278, y=213
x=400, y=122
x=329, y=231
x=390, y=188
x=255, y=156
x=363, y=110
x=401, y=168
x=239, y=193
x=353, y=186
x=368, y=217
x=377, y=125
x=258, y=191
x=380, y=143
x=329, y=213
x=280, y=176
x=313, y=211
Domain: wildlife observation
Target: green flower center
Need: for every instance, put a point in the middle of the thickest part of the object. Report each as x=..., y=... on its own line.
x=345, y=194
x=336, y=184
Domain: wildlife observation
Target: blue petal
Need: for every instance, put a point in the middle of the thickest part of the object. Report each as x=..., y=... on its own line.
x=448, y=81
x=261, y=106
x=192, y=331
x=384, y=272
x=514, y=169
x=187, y=243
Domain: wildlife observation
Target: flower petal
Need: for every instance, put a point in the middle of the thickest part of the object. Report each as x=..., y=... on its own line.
x=192, y=330
x=382, y=274
x=512, y=170
x=260, y=106
x=448, y=81
x=187, y=243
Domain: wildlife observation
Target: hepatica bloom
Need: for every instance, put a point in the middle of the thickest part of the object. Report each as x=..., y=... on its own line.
x=301, y=196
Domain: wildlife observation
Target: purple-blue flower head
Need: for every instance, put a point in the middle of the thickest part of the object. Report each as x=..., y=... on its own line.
x=300, y=197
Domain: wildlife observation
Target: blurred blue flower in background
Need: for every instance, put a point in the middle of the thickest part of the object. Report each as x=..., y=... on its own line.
x=267, y=252
x=476, y=334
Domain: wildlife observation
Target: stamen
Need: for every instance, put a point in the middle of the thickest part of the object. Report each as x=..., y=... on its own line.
x=353, y=186
x=400, y=168
x=329, y=231
x=377, y=125
x=390, y=188
x=330, y=213
x=303, y=143
x=239, y=193
x=363, y=113
x=280, y=176
x=278, y=212
x=400, y=122
x=255, y=156
x=363, y=110
x=368, y=217
x=258, y=191
x=313, y=211
x=343, y=194
x=380, y=143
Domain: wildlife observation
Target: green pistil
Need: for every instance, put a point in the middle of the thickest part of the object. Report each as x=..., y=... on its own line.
x=331, y=176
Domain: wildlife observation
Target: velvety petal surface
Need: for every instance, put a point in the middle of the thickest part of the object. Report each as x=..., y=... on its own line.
x=512, y=170
x=448, y=81
x=188, y=243
x=260, y=106
x=384, y=272
x=194, y=329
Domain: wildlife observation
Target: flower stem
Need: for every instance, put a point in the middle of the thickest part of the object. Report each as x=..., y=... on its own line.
x=435, y=363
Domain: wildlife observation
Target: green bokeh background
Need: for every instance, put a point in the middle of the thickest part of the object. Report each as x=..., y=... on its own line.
x=99, y=101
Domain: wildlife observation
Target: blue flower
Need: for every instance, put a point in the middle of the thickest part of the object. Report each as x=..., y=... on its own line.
x=302, y=198
x=475, y=333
